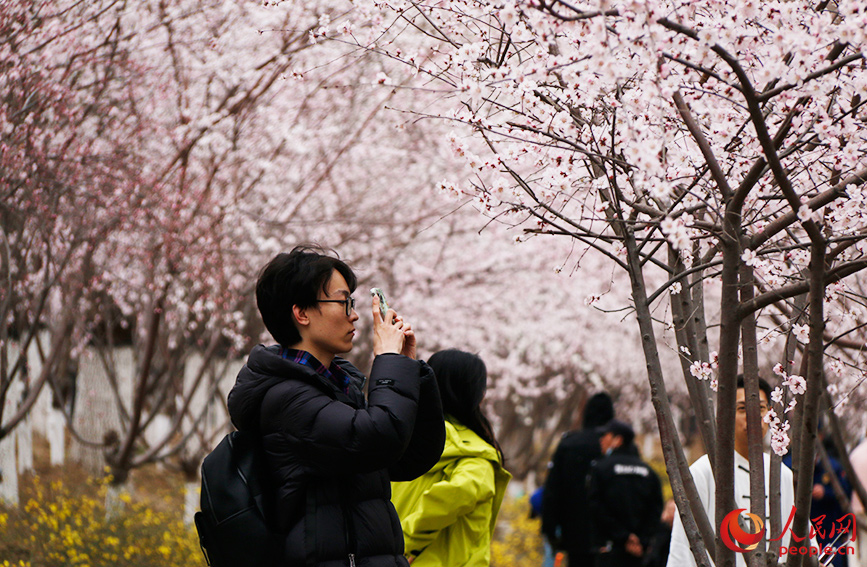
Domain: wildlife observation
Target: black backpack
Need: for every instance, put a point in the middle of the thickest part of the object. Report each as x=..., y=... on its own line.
x=233, y=525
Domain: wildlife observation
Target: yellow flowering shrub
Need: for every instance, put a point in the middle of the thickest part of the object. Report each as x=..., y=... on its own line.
x=658, y=465
x=55, y=527
x=517, y=540
x=64, y=525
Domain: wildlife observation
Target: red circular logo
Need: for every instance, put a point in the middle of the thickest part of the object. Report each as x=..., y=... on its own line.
x=734, y=536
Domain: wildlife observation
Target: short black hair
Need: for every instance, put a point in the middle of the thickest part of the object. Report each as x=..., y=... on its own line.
x=763, y=385
x=292, y=279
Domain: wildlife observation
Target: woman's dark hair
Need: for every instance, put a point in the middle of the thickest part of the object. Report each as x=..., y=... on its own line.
x=462, y=379
x=292, y=279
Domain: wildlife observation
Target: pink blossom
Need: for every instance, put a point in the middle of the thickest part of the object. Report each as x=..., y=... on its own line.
x=796, y=384
x=780, y=442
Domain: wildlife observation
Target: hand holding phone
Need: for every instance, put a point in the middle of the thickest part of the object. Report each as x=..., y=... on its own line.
x=383, y=304
x=405, y=339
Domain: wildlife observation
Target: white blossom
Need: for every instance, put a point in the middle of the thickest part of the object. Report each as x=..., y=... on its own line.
x=701, y=370
x=802, y=333
x=777, y=395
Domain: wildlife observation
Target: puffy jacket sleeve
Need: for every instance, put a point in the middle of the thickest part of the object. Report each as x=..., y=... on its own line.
x=429, y=434
x=332, y=437
x=470, y=483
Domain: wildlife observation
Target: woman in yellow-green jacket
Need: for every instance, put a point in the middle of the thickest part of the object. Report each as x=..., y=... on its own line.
x=448, y=515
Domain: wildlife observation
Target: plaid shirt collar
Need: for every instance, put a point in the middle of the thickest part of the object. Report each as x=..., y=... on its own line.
x=333, y=373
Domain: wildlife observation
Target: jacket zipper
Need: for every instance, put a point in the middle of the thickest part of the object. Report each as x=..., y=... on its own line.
x=350, y=527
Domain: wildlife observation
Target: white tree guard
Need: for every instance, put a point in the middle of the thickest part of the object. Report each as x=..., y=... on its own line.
x=114, y=506
x=8, y=467
x=55, y=431
x=9, y=480
x=158, y=429
x=41, y=409
x=24, y=440
x=96, y=409
x=214, y=422
x=191, y=501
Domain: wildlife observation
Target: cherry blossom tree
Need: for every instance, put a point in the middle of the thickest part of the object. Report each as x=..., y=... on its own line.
x=702, y=164
x=176, y=182
x=125, y=151
x=62, y=172
x=366, y=188
x=710, y=149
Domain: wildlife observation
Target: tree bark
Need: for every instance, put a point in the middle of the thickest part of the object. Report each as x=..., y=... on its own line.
x=695, y=522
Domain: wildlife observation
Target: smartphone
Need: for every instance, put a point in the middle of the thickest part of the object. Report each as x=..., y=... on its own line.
x=383, y=304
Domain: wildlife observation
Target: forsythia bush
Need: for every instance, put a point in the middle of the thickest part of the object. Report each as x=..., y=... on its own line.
x=56, y=528
x=658, y=467
x=517, y=541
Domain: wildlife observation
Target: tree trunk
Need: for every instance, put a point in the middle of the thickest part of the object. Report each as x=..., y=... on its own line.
x=815, y=382
x=695, y=521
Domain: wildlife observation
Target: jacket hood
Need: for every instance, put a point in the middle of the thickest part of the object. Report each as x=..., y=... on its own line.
x=265, y=368
x=461, y=442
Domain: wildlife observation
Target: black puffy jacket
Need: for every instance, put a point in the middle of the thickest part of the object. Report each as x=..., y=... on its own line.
x=625, y=497
x=566, y=520
x=333, y=454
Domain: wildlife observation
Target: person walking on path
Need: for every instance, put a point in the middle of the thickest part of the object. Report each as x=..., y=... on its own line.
x=566, y=521
x=330, y=452
x=826, y=511
x=448, y=515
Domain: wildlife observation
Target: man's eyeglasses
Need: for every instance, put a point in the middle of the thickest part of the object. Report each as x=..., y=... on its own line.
x=348, y=303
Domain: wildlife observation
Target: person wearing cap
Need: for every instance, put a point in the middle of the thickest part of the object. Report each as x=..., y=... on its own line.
x=625, y=498
x=566, y=522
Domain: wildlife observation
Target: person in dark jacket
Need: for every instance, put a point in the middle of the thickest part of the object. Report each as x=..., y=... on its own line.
x=658, y=556
x=826, y=512
x=566, y=522
x=330, y=452
x=625, y=498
